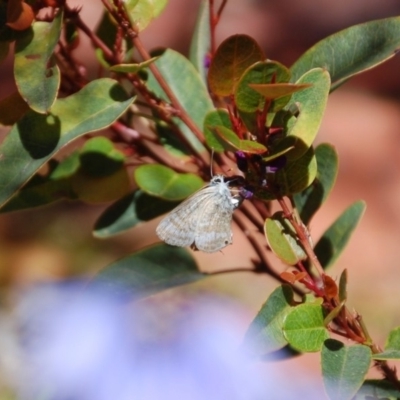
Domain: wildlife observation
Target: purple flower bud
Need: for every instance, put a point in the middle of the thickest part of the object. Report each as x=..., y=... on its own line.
x=275, y=165
x=207, y=61
x=246, y=193
x=241, y=161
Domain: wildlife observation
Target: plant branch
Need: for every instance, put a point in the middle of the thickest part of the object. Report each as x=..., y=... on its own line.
x=302, y=235
x=181, y=112
x=97, y=42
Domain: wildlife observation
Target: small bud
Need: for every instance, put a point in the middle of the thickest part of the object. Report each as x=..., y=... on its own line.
x=241, y=161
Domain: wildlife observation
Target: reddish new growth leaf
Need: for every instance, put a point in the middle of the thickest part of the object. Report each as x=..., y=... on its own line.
x=293, y=276
x=19, y=15
x=331, y=289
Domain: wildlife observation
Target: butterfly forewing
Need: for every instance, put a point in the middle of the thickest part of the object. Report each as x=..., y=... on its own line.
x=179, y=226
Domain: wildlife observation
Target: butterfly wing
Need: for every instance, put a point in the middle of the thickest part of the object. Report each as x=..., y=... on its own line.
x=213, y=230
x=179, y=226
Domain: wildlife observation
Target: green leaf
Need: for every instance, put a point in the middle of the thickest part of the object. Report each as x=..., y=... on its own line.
x=392, y=347
x=148, y=271
x=277, y=90
x=37, y=137
x=40, y=194
x=215, y=118
x=283, y=240
x=171, y=142
x=344, y=368
x=231, y=142
x=128, y=212
x=334, y=240
x=101, y=189
x=312, y=102
x=304, y=327
x=310, y=200
x=264, y=72
x=36, y=75
x=265, y=332
x=389, y=354
x=142, y=12
x=158, y=6
x=343, y=286
x=377, y=389
x=94, y=174
x=99, y=157
x=201, y=39
x=66, y=168
x=232, y=58
x=187, y=86
x=393, y=341
x=333, y=313
x=43, y=190
x=294, y=177
x=107, y=31
x=158, y=180
x=132, y=68
x=352, y=50
x=276, y=155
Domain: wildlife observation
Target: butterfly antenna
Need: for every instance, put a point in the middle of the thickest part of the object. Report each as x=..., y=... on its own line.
x=211, y=164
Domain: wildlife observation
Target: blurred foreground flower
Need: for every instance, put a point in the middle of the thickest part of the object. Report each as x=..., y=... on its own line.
x=63, y=342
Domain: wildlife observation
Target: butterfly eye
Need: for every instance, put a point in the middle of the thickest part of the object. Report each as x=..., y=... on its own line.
x=217, y=179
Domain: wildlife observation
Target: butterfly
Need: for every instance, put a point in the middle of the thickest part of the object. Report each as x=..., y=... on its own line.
x=203, y=220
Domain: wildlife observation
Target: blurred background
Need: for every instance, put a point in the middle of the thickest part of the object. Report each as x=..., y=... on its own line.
x=362, y=121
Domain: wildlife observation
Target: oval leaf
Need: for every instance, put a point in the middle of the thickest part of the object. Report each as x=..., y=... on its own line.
x=294, y=177
x=283, y=240
x=277, y=90
x=129, y=211
x=99, y=157
x=249, y=100
x=132, y=68
x=213, y=119
x=140, y=12
x=148, y=271
x=304, y=327
x=312, y=103
x=232, y=58
x=187, y=86
x=37, y=137
x=36, y=75
x=39, y=194
x=335, y=238
x=392, y=347
x=265, y=332
x=201, y=41
x=158, y=180
x=377, y=389
x=352, y=50
x=233, y=143
x=344, y=368
x=100, y=189
x=310, y=200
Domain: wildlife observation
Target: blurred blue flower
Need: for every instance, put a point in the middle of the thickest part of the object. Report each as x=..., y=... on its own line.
x=81, y=345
